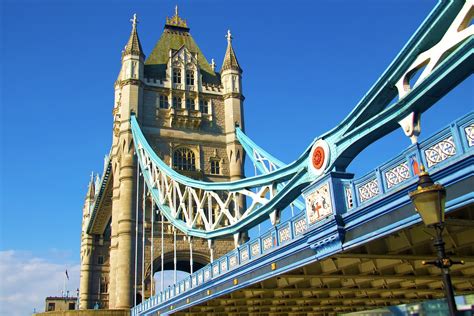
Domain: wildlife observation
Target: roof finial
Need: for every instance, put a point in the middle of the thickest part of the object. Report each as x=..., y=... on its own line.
x=134, y=20
x=229, y=37
x=176, y=10
x=213, y=64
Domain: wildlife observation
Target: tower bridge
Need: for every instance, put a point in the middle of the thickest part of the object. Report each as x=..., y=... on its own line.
x=173, y=192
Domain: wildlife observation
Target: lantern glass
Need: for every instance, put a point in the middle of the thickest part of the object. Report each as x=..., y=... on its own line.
x=430, y=202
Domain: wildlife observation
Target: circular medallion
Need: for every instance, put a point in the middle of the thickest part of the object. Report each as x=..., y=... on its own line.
x=318, y=157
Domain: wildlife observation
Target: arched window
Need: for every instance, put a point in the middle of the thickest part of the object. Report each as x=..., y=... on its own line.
x=190, y=104
x=163, y=101
x=184, y=159
x=176, y=102
x=176, y=75
x=204, y=106
x=215, y=166
x=189, y=77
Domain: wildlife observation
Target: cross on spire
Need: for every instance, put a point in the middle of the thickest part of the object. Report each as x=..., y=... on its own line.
x=229, y=36
x=134, y=20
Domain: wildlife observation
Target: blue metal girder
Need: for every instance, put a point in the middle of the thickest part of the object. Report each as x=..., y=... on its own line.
x=370, y=120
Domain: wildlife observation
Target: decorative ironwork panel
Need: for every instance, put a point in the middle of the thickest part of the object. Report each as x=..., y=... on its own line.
x=284, y=234
x=440, y=151
x=200, y=278
x=194, y=281
x=233, y=261
x=267, y=243
x=318, y=204
x=181, y=287
x=187, y=284
x=255, y=249
x=244, y=255
x=215, y=270
x=349, y=199
x=300, y=226
x=397, y=175
x=470, y=134
x=369, y=190
x=207, y=275
x=223, y=265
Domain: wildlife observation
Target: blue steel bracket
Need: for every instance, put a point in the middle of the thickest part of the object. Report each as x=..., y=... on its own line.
x=324, y=205
x=327, y=237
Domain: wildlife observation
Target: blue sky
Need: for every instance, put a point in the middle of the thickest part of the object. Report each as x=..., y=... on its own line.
x=306, y=64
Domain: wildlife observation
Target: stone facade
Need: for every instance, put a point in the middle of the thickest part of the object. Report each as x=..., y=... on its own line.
x=53, y=303
x=185, y=109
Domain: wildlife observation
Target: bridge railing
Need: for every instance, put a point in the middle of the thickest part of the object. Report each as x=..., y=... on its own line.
x=432, y=153
x=435, y=152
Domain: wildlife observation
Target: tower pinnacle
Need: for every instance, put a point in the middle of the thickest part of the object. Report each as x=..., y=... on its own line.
x=230, y=60
x=133, y=46
x=176, y=21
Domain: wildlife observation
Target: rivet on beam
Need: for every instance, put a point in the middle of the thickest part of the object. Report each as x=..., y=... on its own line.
x=171, y=307
x=187, y=300
x=274, y=266
x=236, y=281
x=209, y=292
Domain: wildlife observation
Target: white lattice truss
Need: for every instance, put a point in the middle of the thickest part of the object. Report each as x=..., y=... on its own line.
x=266, y=164
x=197, y=207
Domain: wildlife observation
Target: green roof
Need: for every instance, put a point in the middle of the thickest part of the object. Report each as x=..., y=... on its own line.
x=175, y=37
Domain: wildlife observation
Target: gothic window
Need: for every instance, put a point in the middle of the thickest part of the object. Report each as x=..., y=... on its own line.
x=163, y=101
x=100, y=260
x=103, y=285
x=204, y=106
x=190, y=78
x=51, y=307
x=176, y=75
x=190, y=104
x=176, y=102
x=184, y=159
x=215, y=166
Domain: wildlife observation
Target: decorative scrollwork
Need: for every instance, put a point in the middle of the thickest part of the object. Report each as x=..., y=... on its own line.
x=300, y=226
x=397, y=175
x=469, y=130
x=440, y=151
x=368, y=190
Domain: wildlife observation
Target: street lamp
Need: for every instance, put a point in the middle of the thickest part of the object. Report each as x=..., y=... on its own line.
x=429, y=199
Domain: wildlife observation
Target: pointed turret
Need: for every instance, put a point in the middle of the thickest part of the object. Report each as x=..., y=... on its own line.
x=91, y=189
x=134, y=47
x=132, y=55
x=231, y=76
x=230, y=60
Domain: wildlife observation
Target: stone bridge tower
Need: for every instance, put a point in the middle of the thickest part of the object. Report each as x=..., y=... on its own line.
x=188, y=112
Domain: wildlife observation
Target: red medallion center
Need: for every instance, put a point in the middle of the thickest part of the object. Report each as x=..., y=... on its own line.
x=318, y=157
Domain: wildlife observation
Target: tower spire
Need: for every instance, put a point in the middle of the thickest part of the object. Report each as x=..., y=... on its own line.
x=91, y=188
x=230, y=60
x=134, y=47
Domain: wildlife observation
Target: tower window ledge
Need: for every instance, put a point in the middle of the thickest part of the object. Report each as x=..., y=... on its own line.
x=178, y=86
